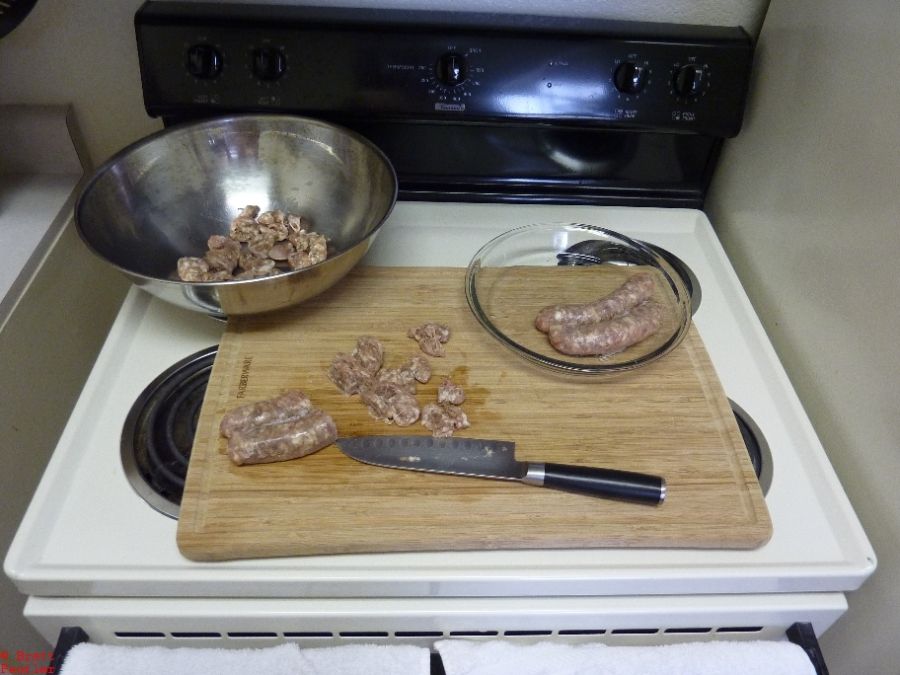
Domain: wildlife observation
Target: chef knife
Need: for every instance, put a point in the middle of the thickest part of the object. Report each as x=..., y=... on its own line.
x=496, y=459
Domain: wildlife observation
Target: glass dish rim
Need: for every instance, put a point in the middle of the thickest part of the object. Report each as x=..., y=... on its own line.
x=558, y=365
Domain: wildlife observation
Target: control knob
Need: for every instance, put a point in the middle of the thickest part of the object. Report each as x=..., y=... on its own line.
x=630, y=78
x=451, y=69
x=268, y=63
x=204, y=61
x=689, y=80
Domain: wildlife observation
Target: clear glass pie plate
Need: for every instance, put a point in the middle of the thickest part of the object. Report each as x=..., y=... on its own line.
x=517, y=274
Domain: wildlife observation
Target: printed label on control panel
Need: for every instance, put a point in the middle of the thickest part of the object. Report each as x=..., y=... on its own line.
x=626, y=114
x=450, y=107
x=204, y=99
x=683, y=116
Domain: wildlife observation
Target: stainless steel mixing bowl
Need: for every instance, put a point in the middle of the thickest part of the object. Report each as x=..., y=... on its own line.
x=162, y=197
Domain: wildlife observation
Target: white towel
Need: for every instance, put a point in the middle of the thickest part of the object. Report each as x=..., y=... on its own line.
x=286, y=659
x=496, y=657
x=366, y=660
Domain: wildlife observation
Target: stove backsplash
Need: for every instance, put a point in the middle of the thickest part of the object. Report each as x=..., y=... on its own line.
x=531, y=109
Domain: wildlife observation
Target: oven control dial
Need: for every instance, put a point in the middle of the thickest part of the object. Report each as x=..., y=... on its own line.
x=451, y=69
x=204, y=61
x=630, y=77
x=689, y=81
x=268, y=63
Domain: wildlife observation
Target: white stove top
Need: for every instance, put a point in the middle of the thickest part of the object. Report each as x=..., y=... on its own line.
x=88, y=534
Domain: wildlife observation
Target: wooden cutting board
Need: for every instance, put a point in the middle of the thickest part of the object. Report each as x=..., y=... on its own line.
x=671, y=418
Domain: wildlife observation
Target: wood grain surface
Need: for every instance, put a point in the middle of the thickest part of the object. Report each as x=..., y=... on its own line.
x=670, y=418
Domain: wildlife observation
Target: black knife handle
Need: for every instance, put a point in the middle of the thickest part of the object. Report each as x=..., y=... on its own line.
x=588, y=480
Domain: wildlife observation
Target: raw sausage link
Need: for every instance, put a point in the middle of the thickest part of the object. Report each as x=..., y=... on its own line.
x=608, y=337
x=289, y=405
x=283, y=440
x=633, y=292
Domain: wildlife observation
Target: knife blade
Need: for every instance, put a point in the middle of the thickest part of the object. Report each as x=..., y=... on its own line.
x=480, y=458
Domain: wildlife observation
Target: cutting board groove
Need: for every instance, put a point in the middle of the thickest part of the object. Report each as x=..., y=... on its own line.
x=671, y=418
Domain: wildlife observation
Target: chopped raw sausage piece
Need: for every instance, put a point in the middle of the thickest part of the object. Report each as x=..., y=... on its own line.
x=608, y=337
x=249, y=211
x=443, y=419
x=451, y=393
x=280, y=251
x=192, y=269
x=224, y=253
x=388, y=393
x=391, y=395
x=397, y=377
x=289, y=405
x=306, y=248
x=391, y=402
x=369, y=353
x=257, y=245
x=431, y=337
x=419, y=367
x=274, y=222
x=347, y=374
x=445, y=416
x=254, y=265
x=353, y=372
x=633, y=292
x=282, y=441
x=244, y=227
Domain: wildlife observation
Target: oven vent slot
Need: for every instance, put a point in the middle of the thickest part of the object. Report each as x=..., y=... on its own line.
x=419, y=634
x=248, y=635
x=308, y=634
x=138, y=634
x=364, y=634
x=195, y=635
x=675, y=632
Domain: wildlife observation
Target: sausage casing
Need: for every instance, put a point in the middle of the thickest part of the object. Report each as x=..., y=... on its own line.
x=638, y=288
x=291, y=404
x=282, y=441
x=607, y=337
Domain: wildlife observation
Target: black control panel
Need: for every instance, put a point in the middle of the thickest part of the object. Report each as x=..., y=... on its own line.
x=389, y=64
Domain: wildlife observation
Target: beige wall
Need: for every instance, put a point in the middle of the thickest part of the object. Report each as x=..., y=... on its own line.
x=81, y=53
x=806, y=202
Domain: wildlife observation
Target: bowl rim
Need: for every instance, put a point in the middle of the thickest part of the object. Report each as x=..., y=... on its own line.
x=182, y=127
x=558, y=365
